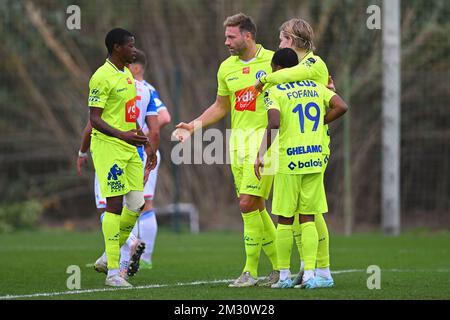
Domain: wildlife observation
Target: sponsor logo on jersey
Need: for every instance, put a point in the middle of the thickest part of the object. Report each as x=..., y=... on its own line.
x=131, y=110
x=293, y=85
x=93, y=97
x=304, y=150
x=232, y=79
x=246, y=99
x=300, y=165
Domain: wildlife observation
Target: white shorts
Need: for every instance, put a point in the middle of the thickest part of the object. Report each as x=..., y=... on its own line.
x=149, y=188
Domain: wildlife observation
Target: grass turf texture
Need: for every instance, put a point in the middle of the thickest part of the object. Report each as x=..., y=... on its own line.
x=413, y=266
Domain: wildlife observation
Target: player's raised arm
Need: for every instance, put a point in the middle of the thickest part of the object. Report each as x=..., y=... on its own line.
x=214, y=113
x=296, y=73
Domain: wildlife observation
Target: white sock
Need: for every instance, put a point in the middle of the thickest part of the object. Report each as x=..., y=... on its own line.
x=113, y=272
x=323, y=272
x=148, y=229
x=308, y=275
x=284, y=274
x=302, y=266
x=104, y=257
x=125, y=252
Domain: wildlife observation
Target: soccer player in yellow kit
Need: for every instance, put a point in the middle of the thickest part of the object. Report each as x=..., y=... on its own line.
x=298, y=111
x=236, y=94
x=113, y=115
x=297, y=34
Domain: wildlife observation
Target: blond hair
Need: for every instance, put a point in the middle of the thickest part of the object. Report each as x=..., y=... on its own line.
x=244, y=22
x=300, y=32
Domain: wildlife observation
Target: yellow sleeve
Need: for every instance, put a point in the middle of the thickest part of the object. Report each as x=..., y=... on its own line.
x=328, y=94
x=270, y=101
x=98, y=92
x=316, y=71
x=222, y=88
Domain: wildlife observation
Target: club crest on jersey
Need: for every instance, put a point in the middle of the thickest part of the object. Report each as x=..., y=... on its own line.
x=246, y=70
x=129, y=81
x=260, y=73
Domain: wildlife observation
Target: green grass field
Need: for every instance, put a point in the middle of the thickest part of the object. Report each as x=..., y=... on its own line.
x=33, y=266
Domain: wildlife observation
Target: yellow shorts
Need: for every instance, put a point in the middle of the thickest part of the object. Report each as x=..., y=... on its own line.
x=119, y=170
x=245, y=180
x=299, y=194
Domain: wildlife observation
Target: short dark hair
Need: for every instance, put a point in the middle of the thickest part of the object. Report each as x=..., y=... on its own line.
x=285, y=58
x=244, y=22
x=140, y=58
x=116, y=36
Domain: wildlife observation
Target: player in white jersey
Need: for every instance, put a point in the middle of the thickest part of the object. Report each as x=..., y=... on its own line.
x=144, y=232
x=146, y=228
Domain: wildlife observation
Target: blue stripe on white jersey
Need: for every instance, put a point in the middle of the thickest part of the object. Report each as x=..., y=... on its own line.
x=155, y=96
x=143, y=99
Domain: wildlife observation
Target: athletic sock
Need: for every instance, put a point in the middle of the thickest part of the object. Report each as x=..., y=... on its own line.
x=148, y=228
x=128, y=219
x=104, y=257
x=111, y=234
x=323, y=272
x=323, y=250
x=253, y=229
x=308, y=275
x=284, y=245
x=284, y=274
x=309, y=245
x=297, y=230
x=269, y=239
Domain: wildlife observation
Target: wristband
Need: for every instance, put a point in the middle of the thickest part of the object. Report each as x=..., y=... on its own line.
x=263, y=79
x=82, y=154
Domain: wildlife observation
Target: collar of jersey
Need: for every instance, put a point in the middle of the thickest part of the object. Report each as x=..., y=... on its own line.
x=258, y=54
x=309, y=54
x=114, y=66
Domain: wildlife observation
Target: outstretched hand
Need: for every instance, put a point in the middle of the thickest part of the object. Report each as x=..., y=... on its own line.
x=183, y=131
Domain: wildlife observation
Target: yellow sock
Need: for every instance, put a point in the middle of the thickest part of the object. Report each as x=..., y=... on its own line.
x=309, y=244
x=253, y=230
x=284, y=245
x=269, y=239
x=323, y=251
x=298, y=235
x=127, y=221
x=111, y=231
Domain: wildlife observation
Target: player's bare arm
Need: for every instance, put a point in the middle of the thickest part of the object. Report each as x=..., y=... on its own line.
x=269, y=136
x=164, y=118
x=130, y=137
x=85, y=144
x=337, y=108
x=154, y=138
x=214, y=113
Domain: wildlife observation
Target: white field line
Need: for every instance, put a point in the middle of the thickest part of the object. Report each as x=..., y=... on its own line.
x=194, y=283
